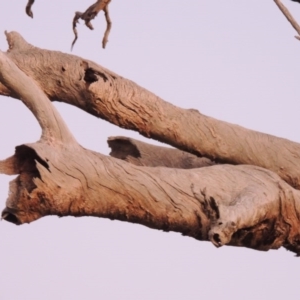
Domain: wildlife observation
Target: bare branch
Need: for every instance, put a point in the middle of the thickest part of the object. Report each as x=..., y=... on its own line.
x=104, y=94
x=289, y=17
x=53, y=127
x=28, y=8
x=89, y=15
x=143, y=154
x=228, y=205
x=108, y=26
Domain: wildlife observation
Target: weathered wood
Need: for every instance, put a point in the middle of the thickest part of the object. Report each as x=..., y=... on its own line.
x=90, y=13
x=54, y=129
x=144, y=154
x=104, y=94
x=87, y=16
x=229, y=205
x=289, y=16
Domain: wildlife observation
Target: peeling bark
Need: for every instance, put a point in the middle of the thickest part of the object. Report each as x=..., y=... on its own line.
x=104, y=94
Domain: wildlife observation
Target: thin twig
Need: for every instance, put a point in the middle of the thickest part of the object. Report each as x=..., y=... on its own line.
x=74, y=23
x=89, y=15
x=289, y=17
x=108, y=26
x=28, y=8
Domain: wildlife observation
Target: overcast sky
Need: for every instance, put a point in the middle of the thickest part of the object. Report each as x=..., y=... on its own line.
x=236, y=61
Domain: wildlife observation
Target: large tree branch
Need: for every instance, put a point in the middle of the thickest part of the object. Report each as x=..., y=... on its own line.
x=104, y=94
x=235, y=205
x=28, y=8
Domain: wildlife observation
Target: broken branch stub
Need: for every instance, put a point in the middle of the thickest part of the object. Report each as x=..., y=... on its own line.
x=229, y=205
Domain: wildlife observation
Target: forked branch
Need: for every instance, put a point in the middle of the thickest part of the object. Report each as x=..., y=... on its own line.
x=53, y=126
x=229, y=205
x=108, y=26
x=105, y=94
x=89, y=15
x=144, y=154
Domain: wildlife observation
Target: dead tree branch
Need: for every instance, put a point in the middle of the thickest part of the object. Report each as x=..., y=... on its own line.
x=289, y=17
x=104, y=94
x=89, y=15
x=229, y=205
x=53, y=126
x=108, y=26
x=86, y=16
x=28, y=8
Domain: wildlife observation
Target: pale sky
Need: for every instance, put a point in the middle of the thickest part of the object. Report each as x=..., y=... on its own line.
x=236, y=61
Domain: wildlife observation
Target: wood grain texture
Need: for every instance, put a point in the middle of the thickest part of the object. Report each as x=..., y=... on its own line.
x=104, y=94
x=238, y=205
x=228, y=205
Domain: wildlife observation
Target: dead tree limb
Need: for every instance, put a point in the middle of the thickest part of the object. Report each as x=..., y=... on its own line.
x=289, y=17
x=28, y=8
x=108, y=26
x=104, y=94
x=229, y=205
x=54, y=130
x=89, y=15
